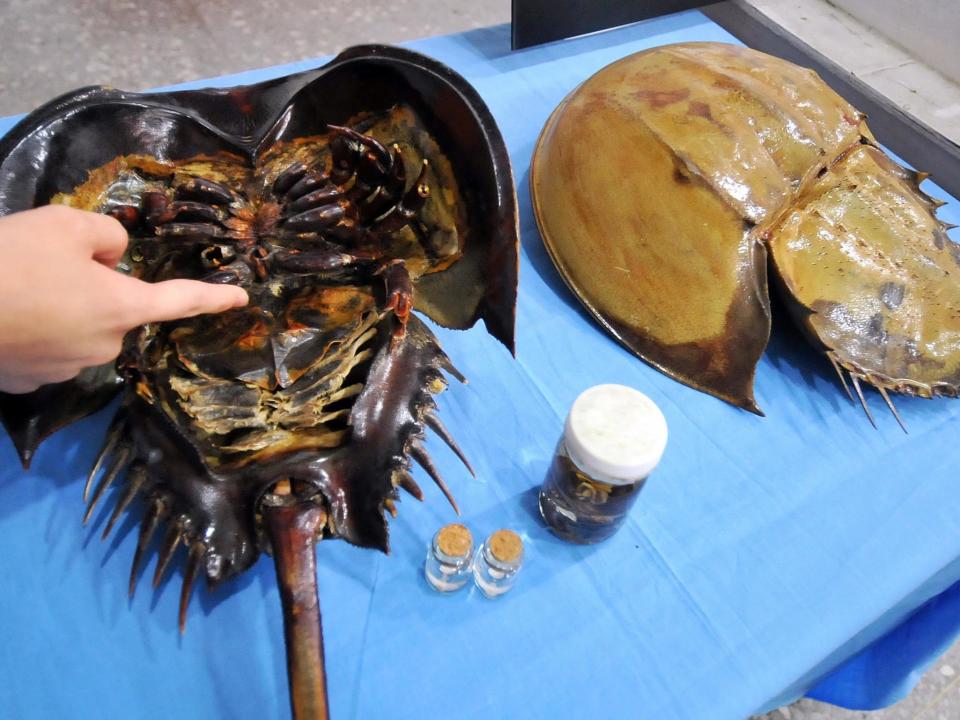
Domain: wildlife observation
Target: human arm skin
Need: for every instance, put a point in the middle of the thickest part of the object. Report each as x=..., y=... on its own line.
x=63, y=307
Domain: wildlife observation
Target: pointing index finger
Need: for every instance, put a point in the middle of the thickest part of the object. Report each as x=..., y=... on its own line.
x=176, y=299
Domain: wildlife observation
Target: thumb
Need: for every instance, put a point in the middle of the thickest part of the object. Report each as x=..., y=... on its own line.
x=175, y=299
x=101, y=236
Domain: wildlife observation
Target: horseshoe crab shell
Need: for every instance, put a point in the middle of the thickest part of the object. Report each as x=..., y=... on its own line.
x=662, y=183
x=334, y=196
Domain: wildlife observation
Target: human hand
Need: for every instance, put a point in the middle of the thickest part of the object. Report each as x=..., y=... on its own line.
x=63, y=307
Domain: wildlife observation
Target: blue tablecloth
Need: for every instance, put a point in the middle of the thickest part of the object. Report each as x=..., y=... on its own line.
x=766, y=558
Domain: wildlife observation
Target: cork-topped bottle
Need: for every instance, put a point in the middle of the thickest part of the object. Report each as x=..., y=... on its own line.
x=497, y=563
x=447, y=567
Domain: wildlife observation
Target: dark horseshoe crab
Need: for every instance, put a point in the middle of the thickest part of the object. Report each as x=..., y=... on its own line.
x=341, y=198
x=724, y=156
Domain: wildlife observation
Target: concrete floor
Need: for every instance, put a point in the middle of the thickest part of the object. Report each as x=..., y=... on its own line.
x=936, y=697
x=929, y=93
x=51, y=46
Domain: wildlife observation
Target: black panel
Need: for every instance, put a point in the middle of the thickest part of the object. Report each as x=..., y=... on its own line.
x=540, y=21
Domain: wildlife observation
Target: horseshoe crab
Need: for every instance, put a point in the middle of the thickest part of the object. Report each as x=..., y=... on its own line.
x=341, y=199
x=723, y=156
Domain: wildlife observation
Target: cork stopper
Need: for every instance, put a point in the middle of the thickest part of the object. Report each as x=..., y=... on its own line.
x=505, y=546
x=454, y=540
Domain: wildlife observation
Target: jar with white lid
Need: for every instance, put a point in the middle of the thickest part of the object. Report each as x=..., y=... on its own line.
x=613, y=438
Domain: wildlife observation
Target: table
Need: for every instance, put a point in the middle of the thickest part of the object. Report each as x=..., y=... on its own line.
x=804, y=552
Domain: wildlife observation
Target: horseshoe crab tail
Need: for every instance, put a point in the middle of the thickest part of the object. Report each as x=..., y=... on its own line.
x=294, y=529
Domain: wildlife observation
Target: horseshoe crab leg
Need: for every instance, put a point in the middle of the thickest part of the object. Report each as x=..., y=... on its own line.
x=843, y=380
x=893, y=409
x=863, y=402
x=293, y=530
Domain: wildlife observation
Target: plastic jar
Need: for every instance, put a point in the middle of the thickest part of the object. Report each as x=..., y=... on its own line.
x=613, y=438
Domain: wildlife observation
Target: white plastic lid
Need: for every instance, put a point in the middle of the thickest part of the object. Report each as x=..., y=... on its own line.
x=615, y=434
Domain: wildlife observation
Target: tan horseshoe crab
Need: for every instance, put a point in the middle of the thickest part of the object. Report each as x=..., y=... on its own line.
x=341, y=199
x=664, y=182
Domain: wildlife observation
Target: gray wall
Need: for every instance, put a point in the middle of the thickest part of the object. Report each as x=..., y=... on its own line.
x=928, y=29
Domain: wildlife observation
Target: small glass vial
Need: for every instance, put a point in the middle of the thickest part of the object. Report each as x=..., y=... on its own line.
x=613, y=438
x=497, y=563
x=447, y=567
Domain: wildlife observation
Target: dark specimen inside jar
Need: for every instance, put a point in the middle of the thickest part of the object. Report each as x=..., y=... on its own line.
x=613, y=439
